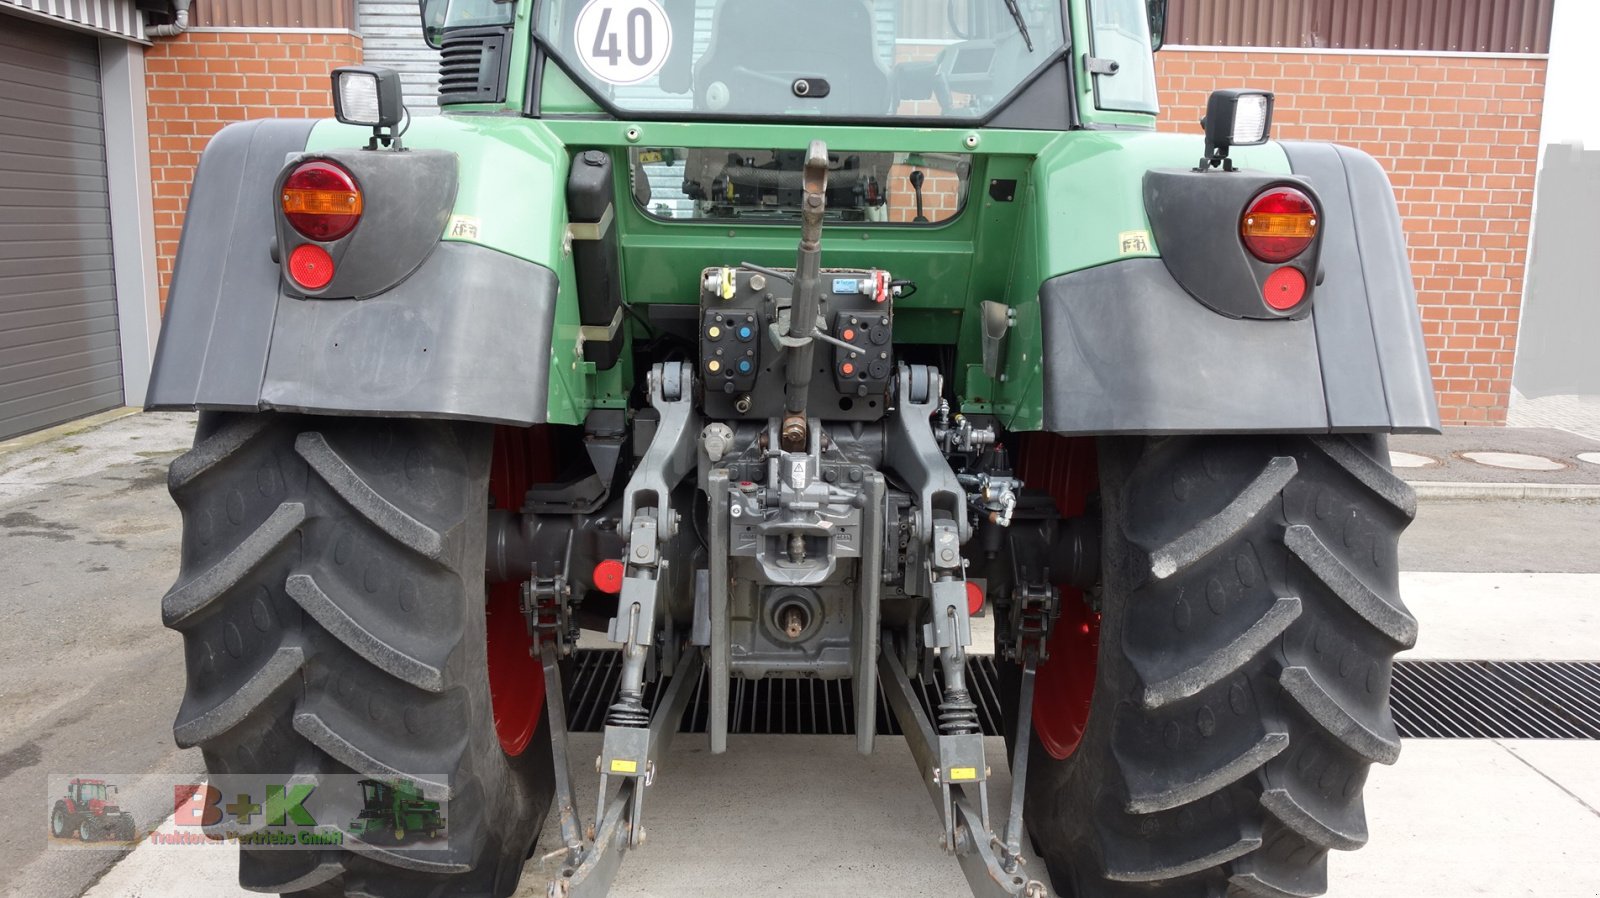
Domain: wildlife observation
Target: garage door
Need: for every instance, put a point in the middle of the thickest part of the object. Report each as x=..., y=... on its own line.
x=59, y=355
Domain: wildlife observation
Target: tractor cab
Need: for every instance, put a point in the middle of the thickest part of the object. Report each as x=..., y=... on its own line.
x=87, y=792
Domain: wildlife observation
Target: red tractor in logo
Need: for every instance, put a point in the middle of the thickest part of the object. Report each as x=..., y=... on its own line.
x=88, y=810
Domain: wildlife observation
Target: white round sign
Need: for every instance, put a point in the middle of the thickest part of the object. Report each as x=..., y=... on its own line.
x=623, y=41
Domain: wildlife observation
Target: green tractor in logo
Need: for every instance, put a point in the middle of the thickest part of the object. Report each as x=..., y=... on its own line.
x=780, y=339
x=395, y=811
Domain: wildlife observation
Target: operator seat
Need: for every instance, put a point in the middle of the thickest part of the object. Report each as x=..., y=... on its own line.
x=759, y=47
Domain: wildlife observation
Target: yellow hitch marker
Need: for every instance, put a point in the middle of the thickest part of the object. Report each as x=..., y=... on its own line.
x=958, y=774
x=619, y=766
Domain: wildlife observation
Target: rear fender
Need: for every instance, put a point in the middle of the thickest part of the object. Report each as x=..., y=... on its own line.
x=1129, y=350
x=463, y=333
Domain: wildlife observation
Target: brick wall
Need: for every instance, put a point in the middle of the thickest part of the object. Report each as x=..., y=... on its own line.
x=1459, y=137
x=201, y=81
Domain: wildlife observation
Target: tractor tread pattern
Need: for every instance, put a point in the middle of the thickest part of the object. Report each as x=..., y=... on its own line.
x=1398, y=626
x=189, y=598
x=263, y=877
x=1378, y=744
x=1378, y=478
x=1178, y=869
x=1254, y=886
x=319, y=733
x=1281, y=804
x=214, y=448
x=416, y=863
x=283, y=665
x=1218, y=665
x=1204, y=537
x=366, y=501
x=388, y=657
x=329, y=631
x=1209, y=782
x=1244, y=669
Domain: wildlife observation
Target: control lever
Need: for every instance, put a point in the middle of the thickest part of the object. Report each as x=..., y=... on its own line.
x=917, y=178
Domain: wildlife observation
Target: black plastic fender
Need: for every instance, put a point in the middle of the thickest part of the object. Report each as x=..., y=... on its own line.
x=466, y=335
x=1128, y=350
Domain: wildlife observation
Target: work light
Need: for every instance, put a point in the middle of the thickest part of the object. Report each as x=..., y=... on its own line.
x=1235, y=117
x=367, y=95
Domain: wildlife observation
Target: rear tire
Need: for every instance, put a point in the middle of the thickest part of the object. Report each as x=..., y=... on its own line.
x=61, y=825
x=331, y=600
x=1250, y=620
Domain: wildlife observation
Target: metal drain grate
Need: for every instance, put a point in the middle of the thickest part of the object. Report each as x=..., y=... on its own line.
x=1497, y=699
x=778, y=706
x=1432, y=700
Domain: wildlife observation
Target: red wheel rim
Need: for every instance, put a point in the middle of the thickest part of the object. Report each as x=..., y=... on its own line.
x=516, y=678
x=1064, y=688
x=1063, y=691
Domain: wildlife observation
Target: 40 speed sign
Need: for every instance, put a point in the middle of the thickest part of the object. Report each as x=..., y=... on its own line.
x=623, y=41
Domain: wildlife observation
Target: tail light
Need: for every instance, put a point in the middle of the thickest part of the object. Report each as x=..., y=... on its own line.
x=1279, y=224
x=321, y=201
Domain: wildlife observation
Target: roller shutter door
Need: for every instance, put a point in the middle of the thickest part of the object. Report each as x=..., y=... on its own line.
x=391, y=36
x=59, y=354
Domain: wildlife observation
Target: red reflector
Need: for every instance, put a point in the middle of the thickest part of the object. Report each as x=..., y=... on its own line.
x=1279, y=225
x=321, y=201
x=1284, y=288
x=974, y=598
x=310, y=266
x=608, y=576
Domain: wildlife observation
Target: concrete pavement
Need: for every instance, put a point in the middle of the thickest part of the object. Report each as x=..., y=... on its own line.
x=88, y=543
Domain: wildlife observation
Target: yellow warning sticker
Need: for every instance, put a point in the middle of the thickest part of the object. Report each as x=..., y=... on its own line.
x=1131, y=242
x=620, y=766
x=958, y=774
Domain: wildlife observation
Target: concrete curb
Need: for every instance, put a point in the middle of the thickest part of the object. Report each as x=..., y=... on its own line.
x=1444, y=489
x=75, y=426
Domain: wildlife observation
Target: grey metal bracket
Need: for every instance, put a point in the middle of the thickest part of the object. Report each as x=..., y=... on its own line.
x=717, y=488
x=951, y=625
x=869, y=589
x=590, y=868
x=560, y=759
x=1011, y=852
x=650, y=523
x=970, y=838
x=915, y=455
x=1099, y=65
x=671, y=454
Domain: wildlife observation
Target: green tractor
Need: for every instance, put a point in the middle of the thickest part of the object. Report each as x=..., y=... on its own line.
x=778, y=339
x=394, y=810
